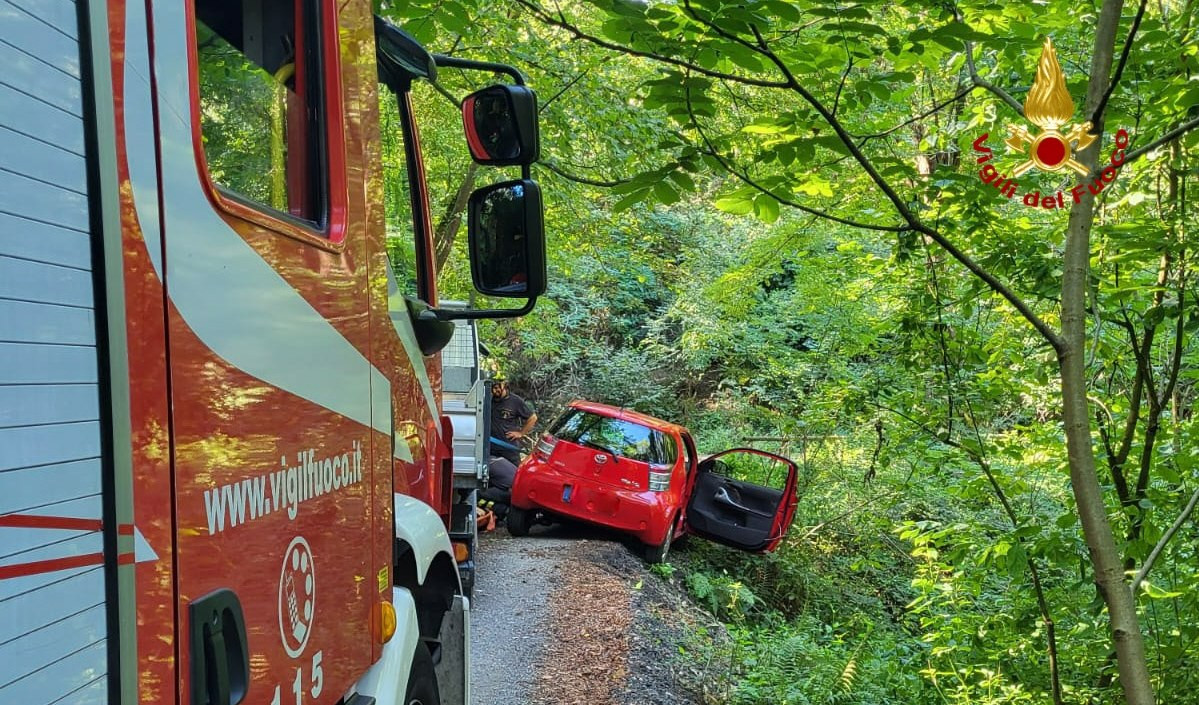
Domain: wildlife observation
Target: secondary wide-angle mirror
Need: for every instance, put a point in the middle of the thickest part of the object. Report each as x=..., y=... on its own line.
x=501, y=125
x=507, y=243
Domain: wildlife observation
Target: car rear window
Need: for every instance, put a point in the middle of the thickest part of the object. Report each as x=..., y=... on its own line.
x=625, y=438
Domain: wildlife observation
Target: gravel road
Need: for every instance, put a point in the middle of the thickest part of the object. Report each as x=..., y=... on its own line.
x=569, y=616
x=508, y=614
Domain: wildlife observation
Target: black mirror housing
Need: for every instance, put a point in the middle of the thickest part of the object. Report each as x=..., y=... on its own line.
x=507, y=239
x=501, y=125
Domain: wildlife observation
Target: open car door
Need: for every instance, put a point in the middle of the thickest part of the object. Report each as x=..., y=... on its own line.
x=729, y=506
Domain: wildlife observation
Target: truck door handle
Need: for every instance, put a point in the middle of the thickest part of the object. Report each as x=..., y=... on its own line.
x=220, y=661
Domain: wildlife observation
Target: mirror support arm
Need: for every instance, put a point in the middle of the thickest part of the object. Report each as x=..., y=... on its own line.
x=455, y=62
x=442, y=314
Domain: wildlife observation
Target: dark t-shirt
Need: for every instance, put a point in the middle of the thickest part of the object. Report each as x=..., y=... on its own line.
x=508, y=414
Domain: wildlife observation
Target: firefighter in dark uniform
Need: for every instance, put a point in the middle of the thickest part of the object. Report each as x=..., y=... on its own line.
x=512, y=419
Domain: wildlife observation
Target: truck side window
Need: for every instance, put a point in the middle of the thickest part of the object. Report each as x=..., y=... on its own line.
x=261, y=108
x=397, y=197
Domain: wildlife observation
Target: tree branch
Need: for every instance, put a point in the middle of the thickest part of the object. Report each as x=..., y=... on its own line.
x=1161, y=543
x=601, y=183
x=569, y=84
x=1171, y=135
x=871, y=502
x=1097, y=116
x=906, y=213
x=984, y=83
x=747, y=180
x=790, y=82
x=580, y=34
x=931, y=111
x=979, y=80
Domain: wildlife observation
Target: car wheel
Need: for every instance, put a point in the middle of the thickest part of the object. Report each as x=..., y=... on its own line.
x=657, y=554
x=422, y=680
x=519, y=521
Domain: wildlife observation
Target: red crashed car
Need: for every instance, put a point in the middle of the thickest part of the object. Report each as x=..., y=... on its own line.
x=638, y=474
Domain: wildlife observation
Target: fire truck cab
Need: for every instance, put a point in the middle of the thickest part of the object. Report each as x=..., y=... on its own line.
x=225, y=475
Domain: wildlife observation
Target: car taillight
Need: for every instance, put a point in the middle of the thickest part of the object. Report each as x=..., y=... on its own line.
x=545, y=446
x=659, y=478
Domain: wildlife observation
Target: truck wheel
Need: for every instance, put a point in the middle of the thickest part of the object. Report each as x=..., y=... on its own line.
x=519, y=521
x=422, y=680
x=657, y=554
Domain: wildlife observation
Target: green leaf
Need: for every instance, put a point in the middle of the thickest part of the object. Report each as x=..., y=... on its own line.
x=1025, y=532
x=766, y=208
x=735, y=204
x=815, y=186
x=682, y=179
x=783, y=10
x=628, y=201
x=766, y=127
x=666, y=193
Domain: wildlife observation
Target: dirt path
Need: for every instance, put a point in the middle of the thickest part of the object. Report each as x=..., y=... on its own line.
x=569, y=616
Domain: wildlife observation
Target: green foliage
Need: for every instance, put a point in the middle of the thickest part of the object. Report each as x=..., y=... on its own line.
x=810, y=662
x=703, y=283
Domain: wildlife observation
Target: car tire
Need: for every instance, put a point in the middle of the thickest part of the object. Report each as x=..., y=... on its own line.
x=422, y=680
x=657, y=554
x=519, y=521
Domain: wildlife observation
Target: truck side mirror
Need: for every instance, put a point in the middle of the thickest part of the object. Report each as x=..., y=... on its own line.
x=501, y=125
x=506, y=239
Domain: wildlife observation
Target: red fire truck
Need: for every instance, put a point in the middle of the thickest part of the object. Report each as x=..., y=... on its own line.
x=224, y=472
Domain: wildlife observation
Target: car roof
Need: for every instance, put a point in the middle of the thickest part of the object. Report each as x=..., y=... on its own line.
x=624, y=414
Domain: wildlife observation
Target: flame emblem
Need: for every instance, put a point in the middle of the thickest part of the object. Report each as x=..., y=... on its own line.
x=1050, y=107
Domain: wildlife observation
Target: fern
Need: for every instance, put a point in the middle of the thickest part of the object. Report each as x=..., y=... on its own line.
x=848, y=674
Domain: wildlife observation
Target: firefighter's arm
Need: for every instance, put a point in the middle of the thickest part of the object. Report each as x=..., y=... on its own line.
x=532, y=421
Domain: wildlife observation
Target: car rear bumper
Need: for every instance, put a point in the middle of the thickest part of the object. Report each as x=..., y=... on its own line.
x=644, y=514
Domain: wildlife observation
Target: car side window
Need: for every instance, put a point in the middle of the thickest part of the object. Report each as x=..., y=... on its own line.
x=670, y=450
x=688, y=453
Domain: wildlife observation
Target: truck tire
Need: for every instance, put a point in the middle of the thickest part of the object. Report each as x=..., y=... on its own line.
x=422, y=680
x=519, y=521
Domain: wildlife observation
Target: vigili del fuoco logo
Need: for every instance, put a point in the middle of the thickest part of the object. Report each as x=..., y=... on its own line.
x=1049, y=107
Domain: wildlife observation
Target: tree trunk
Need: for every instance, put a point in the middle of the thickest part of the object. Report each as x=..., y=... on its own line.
x=447, y=228
x=1097, y=530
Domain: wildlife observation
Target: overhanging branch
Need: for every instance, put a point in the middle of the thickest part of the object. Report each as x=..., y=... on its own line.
x=1097, y=116
x=987, y=85
x=748, y=181
x=1164, y=139
x=1049, y=334
x=601, y=183
x=578, y=33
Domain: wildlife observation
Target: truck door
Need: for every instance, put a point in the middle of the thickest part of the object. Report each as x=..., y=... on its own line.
x=271, y=387
x=743, y=498
x=65, y=540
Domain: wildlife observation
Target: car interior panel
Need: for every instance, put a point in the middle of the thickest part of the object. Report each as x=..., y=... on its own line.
x=734, y=512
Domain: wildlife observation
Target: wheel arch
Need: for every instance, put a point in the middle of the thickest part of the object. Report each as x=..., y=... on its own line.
x=424, y=562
